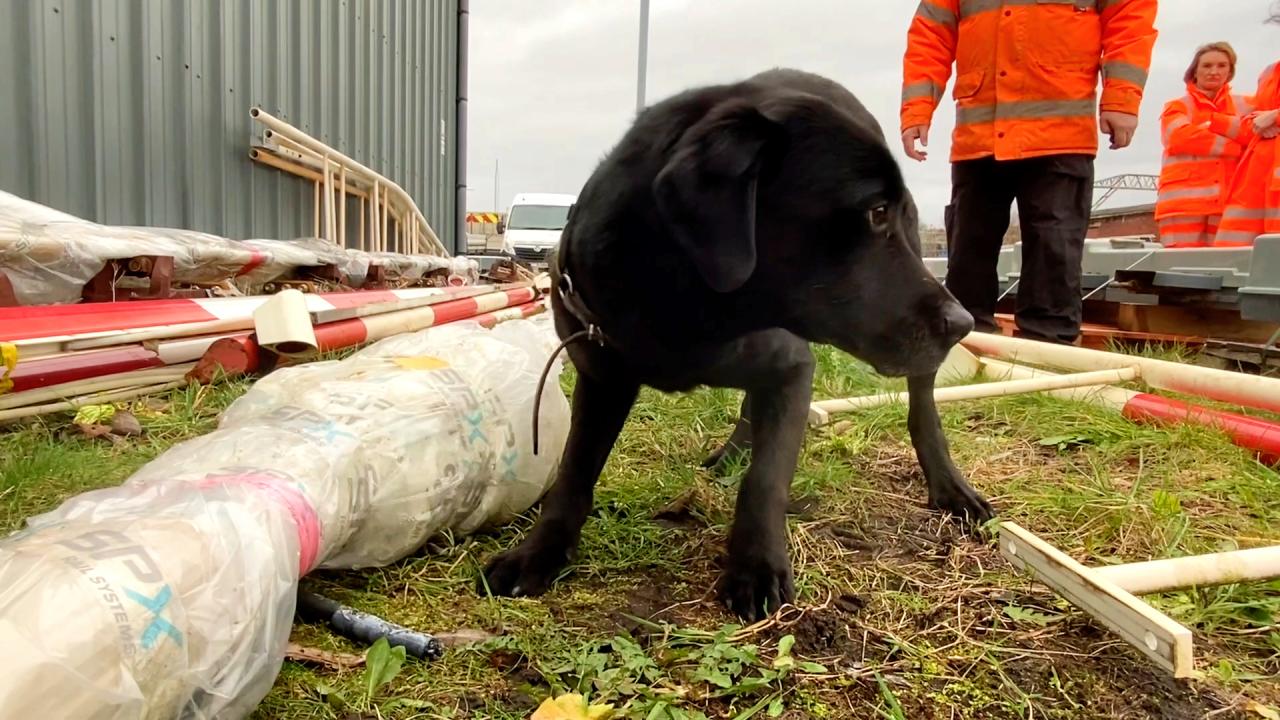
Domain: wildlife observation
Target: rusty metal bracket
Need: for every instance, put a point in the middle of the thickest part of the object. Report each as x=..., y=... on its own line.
x=8, y=298
x=155, y=270
x=376, y=279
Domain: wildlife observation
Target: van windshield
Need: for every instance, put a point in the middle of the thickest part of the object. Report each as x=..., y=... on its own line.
x=538, y=217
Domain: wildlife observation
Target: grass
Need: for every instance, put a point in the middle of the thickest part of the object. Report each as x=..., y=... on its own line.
x=900, y=613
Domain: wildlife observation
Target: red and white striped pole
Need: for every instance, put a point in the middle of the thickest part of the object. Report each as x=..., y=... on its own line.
x=48, y=329
x=240, y=355
x=1260, y=436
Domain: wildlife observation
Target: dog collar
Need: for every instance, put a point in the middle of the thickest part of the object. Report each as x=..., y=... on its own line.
x=573, y=303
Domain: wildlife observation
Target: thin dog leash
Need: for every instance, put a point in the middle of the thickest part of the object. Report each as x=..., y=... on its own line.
x=573, y=303
x=591, y=333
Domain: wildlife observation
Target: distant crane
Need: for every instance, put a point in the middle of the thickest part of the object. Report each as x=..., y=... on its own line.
x=1129, y=181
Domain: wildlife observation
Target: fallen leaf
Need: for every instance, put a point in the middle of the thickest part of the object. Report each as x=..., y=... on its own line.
x=463, y=636
x=124, y=423
x=93, y=430
x=1265, y=711
x=94, y=414
x=571, y=707
x=330, y=660
x=153, y=406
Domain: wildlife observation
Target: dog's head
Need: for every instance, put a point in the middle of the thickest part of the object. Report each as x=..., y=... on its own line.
x=787, y=196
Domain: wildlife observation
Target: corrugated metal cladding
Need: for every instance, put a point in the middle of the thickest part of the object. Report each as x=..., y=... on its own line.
x=136, y=112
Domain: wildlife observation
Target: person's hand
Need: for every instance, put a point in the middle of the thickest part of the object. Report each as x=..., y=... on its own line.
x=909, y=137
x=1264, y=121
x=1270, y=133
x=1119, y=126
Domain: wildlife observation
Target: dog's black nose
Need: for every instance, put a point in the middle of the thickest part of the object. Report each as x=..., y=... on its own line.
x=956, y=322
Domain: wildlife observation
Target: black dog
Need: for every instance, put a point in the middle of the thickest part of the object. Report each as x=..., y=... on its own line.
x=732, y=226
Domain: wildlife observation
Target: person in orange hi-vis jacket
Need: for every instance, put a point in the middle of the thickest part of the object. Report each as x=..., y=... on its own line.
x=1027, y=121
x=1201, y=133
x=1253, y=201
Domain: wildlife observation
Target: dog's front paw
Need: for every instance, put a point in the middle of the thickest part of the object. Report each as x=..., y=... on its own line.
x=528, y=570
x=714, y=458
x=722, y=460
x=962, y=501
x=757, y=582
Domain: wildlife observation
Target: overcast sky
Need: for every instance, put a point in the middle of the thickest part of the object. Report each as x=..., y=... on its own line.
x=553, y=82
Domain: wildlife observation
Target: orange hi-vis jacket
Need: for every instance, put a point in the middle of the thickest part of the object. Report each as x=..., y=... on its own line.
x=1201, y=150
x=1253, y=201
x=1026, y=71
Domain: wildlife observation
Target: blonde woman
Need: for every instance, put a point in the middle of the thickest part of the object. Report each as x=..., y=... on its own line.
x=1202, y=136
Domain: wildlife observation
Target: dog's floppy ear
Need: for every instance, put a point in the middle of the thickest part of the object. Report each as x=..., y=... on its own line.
x=706, y=193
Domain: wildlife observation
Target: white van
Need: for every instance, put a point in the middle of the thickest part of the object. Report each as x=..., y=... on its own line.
x=534, y=223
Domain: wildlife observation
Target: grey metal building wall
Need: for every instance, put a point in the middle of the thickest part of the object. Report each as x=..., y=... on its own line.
x=136, y=112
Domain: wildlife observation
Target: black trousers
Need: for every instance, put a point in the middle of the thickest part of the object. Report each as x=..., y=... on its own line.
x=1054, y=195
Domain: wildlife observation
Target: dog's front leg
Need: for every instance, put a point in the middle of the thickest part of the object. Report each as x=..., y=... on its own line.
x=757, y=579
x=948, y=489
x=599, y=412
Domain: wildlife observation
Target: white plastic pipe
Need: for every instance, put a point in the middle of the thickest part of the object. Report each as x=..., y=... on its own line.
x=1103, y=395
x=296, y=135
x=985, y=390
x=77, y=388
x=362, y=245
x=1145, y=578
x=159, y=332
x=328, y=201
x=1231, y=387
x=820, y=412
x=375, y=237
x=342, y=207
x=308, y=158
x=94, y=399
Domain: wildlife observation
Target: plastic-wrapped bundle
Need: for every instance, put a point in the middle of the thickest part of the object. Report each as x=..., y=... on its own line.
x=461, y=270
x=286, y=255
x=48, y=256
x=173, y=594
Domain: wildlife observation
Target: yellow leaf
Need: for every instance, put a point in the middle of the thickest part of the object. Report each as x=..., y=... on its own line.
x=1265, y=711
x=95, y=414
x=8, y=363
x=421, y=362
x=571, y=707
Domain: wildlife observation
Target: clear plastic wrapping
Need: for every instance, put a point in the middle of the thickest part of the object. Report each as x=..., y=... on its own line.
x=49, y=255
x=172, y=595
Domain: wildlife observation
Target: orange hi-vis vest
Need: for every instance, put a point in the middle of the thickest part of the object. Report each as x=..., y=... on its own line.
x=1253, y=201
x=1026, y=71
x=1201, y=151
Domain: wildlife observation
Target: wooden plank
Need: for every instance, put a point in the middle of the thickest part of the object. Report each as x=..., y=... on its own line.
x=1096, y=336
x=1205, y=322
x=1158, y=637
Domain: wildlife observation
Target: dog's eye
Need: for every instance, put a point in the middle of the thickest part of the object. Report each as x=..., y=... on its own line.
x=878, y=215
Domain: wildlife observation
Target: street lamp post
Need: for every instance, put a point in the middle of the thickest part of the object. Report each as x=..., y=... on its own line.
x=643, y=60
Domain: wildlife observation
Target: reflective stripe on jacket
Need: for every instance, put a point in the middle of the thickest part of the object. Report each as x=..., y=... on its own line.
x=1026, y=71
x=1200, y=152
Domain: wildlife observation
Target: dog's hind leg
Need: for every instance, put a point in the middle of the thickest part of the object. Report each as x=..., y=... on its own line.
x=739, y=441
x=599, y=412
x=948, y=489
x=777, y=369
